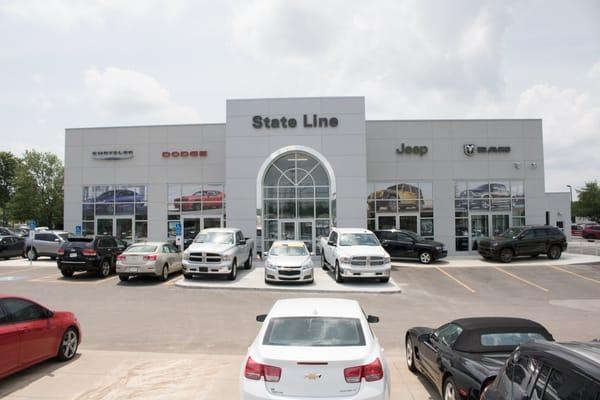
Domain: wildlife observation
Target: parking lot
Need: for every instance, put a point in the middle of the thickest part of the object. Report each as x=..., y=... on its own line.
x=152, y=340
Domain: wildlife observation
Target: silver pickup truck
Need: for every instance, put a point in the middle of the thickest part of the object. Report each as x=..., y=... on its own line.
x=218, y=251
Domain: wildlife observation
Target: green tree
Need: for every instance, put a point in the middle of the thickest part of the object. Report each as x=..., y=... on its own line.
x=8, y=170
x=588, y=205
x=38, y=190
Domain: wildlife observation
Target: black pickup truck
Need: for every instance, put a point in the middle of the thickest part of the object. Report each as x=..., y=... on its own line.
x=93, y=254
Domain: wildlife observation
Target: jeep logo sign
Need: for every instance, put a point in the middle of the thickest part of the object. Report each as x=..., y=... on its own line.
x=418, y=150
x=471, y=149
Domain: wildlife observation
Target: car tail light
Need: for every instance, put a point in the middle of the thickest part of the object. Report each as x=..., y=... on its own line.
x=152, y=257
x=255, y=371
x=371, y=372
x=88, y=252
x=60, y=251
x=120, y=258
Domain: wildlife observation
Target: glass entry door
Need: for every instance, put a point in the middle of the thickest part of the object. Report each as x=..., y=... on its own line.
x=104, y=226
x=298, y=230
x=193, y=226
x=500, y=223
x=407, y=222
x=124, y=229
x=479, y=229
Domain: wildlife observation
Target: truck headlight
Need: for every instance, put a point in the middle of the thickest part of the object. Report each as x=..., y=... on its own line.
x=227, y=257
x=186, y=255
x=387, y=259
x=345, y=260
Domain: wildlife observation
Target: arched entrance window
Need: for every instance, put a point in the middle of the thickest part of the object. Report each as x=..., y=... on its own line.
x=296, y=199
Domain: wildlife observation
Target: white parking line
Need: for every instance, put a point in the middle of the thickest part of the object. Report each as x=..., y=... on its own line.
x=522, y=280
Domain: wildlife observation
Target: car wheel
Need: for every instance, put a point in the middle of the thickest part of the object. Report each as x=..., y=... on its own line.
x=450, y=389
x=410, y=355
x=534, y=255
x=338, y=273
x=233, y=274
x=323, y=265
x=165, y=273
x=554, y=252
x=67, y=273
x=32, y=254
x=124, y=278
x=104, y=269
x=188, y=276
x=506, y=255
x=425, y=257
x=248, y=263
x=68, y=345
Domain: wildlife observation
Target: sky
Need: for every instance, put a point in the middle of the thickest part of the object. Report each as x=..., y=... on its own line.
x=88, y=63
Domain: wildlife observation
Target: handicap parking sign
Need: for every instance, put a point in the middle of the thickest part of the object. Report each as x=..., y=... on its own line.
x=78, y=230
x=31, y=224
x=178, y=229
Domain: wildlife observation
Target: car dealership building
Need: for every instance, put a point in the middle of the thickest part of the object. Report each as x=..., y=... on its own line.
x=294, y=167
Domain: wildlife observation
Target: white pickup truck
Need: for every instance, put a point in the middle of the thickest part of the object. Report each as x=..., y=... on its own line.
x=355, y=253
x=218, y=251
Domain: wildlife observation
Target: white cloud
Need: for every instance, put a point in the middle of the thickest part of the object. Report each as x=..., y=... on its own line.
x=69, y=14
x=594, y=72
x=133, y=97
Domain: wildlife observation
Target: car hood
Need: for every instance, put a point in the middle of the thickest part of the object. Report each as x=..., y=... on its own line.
x=431, y=243
x=209, y=247
x=486, y=241
x=350, y=251
x=484, y=365
x=288, y=261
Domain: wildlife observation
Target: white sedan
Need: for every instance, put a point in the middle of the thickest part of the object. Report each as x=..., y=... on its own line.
x=315, y=349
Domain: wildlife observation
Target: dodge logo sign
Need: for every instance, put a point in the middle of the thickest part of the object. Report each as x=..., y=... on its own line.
x=469, y=149
x=184, y=153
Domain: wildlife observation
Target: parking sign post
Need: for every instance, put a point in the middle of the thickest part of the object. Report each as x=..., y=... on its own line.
x=32, y=225
x=178, y=238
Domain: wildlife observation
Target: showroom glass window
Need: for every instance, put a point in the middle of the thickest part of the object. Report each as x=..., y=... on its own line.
x=296, y=200
x=403, y=205
x=486, y=208
x=119, y=210
x=195, y=206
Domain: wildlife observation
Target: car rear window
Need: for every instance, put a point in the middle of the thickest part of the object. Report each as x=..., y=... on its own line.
x=78, y=242
x=314, y=332
x=143, y=248
x=509, y=339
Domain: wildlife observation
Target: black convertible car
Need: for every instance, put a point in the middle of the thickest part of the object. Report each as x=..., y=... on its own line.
x=464, y=356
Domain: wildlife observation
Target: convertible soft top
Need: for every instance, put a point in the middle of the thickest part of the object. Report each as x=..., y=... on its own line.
x=470, y=338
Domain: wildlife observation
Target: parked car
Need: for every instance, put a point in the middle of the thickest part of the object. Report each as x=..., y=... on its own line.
x=524, y=241
x=355, y=253
x=461, y=358
x=407, y=244
x=289, y=260
x=30, y=333
x=45, y=243
x=591, y=232
x=315, y=348
x=90, y=253
x=546, y=370
x=218, y=251
x=157, y=259
x=11, y=246
x=576, y=230
x=6, y=232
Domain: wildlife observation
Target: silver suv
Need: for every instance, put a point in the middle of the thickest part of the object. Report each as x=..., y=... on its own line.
x=44, y=243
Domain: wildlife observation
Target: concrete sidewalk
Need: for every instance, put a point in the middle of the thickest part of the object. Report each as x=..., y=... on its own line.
x=109, y=375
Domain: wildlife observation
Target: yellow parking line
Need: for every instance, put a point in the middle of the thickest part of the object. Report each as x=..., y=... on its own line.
x=522, y=279
x=456, y=280
x=576, y=274
x=43, y=278
x=99, y=281
x=173, y=281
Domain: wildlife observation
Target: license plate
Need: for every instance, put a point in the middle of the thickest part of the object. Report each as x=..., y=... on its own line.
x=132, y=269
x=73, y=255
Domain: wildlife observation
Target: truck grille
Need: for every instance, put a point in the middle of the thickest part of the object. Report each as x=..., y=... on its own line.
x=364, y=261
x=212, y=258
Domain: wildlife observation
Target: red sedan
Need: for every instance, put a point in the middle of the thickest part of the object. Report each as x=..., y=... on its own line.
x=591, y=232
x=30, y=333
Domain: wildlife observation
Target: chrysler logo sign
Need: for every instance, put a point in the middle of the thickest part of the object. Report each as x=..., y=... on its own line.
x=112, y=155
x=471, y=149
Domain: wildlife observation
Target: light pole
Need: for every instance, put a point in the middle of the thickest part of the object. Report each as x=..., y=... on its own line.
x=571, y=191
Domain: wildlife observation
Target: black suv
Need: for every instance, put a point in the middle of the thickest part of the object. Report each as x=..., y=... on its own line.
x=524, y=241
x=549, y=370
x=407, y=244
x=93, y=254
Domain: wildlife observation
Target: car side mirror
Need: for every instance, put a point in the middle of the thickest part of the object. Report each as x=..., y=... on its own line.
x=49, y=314
x=372, y=319
x=331, y=243
x=241, y=242
x=385, y=242
x=57, y=240
x=261, y=317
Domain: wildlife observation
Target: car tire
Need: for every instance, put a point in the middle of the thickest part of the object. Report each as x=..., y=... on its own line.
x=323, y=264
x=67, y=273
x=425, y=257
x=338, y=273
x=164, y=276
x=233, y=274
x=534, y=255
x=384, y=280
x=105, y=269
x=248, y=263
x=67, y=348
x=188, y=276
x=123, y=278
x=32, y=254
x=450, y=391
x=410, y=355
x=506, y=255
x=554, y=252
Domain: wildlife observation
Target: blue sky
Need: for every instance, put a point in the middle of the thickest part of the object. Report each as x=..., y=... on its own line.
x=108, y=62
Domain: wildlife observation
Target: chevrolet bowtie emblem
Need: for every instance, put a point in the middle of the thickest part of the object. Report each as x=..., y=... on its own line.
x=312, y=376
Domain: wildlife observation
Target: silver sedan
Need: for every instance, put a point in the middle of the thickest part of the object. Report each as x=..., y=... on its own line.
x=150, y=259
x=289, y=260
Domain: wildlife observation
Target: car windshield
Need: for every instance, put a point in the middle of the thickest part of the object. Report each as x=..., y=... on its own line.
x=414, y=236
x=314, y=332
x=214, y=237
x=142, y=248
x=509, y=338
x=511, y=232
x=358, y=239
x=286, y=250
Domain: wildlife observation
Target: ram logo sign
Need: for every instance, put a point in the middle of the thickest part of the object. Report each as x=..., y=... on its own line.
x=469, y=149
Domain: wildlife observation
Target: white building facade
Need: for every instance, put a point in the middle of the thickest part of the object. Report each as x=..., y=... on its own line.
x=294, y=167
